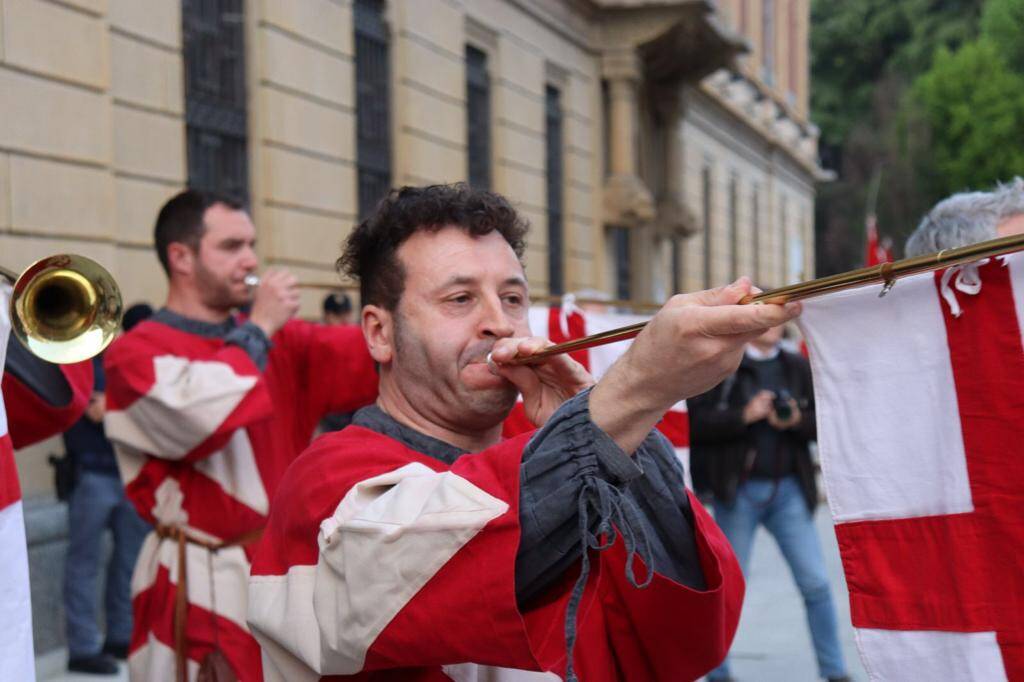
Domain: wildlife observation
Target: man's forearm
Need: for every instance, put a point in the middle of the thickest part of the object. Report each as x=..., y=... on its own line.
x=622, y=411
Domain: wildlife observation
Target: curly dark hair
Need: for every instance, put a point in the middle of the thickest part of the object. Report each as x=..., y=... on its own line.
x=370, y=251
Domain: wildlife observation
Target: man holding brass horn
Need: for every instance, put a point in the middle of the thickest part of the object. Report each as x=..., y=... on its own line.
x=205, y=412
x=416, y=541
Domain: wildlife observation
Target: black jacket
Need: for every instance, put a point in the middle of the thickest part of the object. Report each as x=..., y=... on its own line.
x=720, y=442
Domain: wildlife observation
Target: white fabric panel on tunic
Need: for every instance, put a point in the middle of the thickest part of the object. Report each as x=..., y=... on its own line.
x=387, y=538
x=234, y=468
x=188, y=401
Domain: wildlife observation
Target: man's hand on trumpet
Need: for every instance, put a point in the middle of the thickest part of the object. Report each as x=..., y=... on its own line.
x=691, y=344
x=275, y=301
x=544, y=386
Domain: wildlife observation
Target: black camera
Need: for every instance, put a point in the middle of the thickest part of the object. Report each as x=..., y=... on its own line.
x=781, y=405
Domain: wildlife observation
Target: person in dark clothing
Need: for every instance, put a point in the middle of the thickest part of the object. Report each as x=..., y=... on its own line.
x=98, y=502
x=337, y=308
x=750, y=439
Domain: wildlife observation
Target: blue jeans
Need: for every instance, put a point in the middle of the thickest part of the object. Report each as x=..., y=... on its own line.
x=98, y=502
x=786, y=517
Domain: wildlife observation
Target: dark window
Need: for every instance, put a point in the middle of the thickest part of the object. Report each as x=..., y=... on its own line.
x=734, y=229
x=215, y=98
x=478, y=118
x=556, y=237
x=706, y=203
x=620, y=247
x=755, y=224
x=373, y=109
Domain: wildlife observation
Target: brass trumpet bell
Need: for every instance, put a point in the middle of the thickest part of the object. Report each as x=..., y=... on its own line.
x=65, y=308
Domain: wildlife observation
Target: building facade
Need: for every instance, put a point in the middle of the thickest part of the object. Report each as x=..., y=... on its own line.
x=654, y=145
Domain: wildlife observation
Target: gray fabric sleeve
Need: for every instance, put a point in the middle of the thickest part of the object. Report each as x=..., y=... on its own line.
x=252, y=340
x=660, y=494
x=571, y=464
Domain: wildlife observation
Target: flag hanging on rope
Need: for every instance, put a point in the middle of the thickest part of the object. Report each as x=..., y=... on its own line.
x=920, y=399
x=16, y=657
x=569, y=322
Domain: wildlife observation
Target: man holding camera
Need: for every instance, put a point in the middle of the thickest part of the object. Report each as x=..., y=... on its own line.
x=749, y=444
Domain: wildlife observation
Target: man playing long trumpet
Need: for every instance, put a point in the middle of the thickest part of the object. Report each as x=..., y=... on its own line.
x=205, y=413
x=418, y=545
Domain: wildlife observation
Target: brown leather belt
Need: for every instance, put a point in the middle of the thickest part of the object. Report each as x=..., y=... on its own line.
x=182, y=538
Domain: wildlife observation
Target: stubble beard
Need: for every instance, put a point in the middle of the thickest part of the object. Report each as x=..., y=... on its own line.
x=477, y=408
x=216, y=293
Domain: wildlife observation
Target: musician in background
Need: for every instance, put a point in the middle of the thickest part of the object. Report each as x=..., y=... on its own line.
x=970, y=217
x=206, y=411
x=97, y=503
x=337, y=308
x=417, y=544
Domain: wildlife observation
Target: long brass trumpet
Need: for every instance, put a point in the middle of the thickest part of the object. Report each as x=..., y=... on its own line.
x=64, y=308
x=885, y=274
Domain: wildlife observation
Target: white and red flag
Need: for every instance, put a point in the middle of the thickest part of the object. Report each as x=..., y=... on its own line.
x=16, y=657
x=920, y=401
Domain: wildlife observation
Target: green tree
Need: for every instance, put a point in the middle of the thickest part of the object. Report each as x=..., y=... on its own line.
x=973, y=106
x=865, y=58
x=1003, y=23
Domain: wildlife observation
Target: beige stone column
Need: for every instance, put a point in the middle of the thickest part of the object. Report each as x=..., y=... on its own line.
x=627, y=200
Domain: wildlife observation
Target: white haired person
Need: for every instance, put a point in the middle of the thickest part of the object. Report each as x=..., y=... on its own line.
x=969, y=218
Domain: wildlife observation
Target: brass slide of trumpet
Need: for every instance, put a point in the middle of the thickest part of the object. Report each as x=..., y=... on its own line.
x=64, y=308
x=885, y=274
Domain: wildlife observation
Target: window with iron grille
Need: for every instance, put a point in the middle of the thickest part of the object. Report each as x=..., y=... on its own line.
x=478, y=118
x=556, y=245
x=706, y=204
x=215, y=98
x=373, y=103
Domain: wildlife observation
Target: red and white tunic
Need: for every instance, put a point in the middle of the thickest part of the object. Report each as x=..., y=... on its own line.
x=381, y=562
x=203, y=438
x=26, y=420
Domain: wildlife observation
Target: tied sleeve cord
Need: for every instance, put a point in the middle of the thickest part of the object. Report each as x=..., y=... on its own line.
x=617, y=513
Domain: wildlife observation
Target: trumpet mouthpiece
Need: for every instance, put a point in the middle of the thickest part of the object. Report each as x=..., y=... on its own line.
x=252, y=280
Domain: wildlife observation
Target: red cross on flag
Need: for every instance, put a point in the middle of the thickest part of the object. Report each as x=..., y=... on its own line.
x=920, y=400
